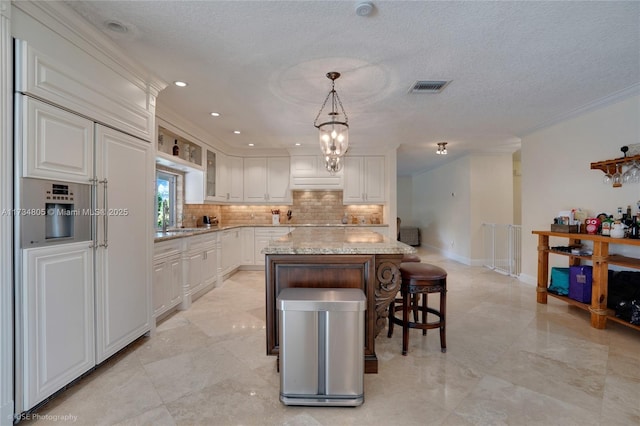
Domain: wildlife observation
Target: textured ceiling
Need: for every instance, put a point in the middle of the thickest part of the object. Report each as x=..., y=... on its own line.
x=262, y=64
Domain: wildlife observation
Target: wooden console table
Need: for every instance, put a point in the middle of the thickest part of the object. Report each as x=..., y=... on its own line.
x=601, y=259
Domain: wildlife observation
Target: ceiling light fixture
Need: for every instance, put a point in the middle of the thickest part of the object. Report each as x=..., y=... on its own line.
x=237, y=132
x=442, y=148
x=334, y=133
x=180, y=83
x=215, y=114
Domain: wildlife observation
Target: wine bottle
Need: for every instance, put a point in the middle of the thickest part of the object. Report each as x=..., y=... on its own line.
x=176, y=148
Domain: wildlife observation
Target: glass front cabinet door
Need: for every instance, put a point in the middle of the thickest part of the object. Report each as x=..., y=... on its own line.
x=211, y=184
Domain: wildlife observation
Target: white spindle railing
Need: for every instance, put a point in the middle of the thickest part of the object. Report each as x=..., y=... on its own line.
x=502, y=248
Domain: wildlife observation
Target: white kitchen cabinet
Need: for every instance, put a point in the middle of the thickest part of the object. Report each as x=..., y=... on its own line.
x=56, y=144
x=309, y=172
x=234, y=173
x=214, y=190
x=167, y=276
x=364, y=180
x=247, y=235
x=262, y=238
x=230, y=248
x=57, y=319
x=124, y=257
x=201, y=265
x=267, y=180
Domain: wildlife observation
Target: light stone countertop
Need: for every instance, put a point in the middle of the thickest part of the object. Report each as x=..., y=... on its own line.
x=174, y=233
x=347, y=240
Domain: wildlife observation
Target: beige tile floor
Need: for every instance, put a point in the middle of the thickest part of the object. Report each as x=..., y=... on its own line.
x=510, y=361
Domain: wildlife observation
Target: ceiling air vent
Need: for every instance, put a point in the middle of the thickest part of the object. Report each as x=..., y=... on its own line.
x=428, y=86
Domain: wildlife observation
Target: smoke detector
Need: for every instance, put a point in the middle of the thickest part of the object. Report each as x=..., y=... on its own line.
x=364, y=8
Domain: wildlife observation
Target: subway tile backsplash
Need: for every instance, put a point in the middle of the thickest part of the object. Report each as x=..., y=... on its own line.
x=309, y=207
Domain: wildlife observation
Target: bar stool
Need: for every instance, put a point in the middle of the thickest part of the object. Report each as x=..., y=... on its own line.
x=420, y=279
x=410, y=258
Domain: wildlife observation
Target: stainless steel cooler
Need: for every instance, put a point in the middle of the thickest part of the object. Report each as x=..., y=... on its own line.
x=321, y=346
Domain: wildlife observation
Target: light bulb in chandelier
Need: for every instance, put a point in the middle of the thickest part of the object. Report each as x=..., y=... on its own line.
x=334, y=132
x=333, y=164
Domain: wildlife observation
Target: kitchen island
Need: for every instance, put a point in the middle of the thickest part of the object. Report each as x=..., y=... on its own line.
x=336, y=258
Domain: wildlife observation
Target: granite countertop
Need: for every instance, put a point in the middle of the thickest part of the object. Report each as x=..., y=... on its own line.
x=174, y=233
x=347, y=240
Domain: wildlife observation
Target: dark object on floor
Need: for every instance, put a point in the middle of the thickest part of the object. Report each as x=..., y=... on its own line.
x=410, y=235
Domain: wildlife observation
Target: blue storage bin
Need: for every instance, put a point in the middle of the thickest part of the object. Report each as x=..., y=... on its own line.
x=580, y=278
x=559, y=283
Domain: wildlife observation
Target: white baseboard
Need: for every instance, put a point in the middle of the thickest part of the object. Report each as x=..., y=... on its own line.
x=528, y=279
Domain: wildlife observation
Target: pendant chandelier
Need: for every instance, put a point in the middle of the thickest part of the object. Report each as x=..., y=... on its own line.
x=334, y=130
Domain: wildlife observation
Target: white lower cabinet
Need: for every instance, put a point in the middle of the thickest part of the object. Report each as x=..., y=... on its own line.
x=262, y=238
x=230, y=247
x=167, y=276
x=247, y=246
x=58, y=321
x=202, y=263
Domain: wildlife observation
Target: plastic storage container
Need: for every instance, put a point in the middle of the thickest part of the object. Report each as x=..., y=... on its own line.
x=580, y=278
x=321, y=346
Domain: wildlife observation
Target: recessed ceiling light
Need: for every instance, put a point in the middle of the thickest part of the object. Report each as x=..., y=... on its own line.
x=215, y=114
x=237, y=132
x=298, y=144
x=251, y=144
x=180, y=83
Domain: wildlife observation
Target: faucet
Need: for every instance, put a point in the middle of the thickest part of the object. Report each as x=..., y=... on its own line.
x=165, y=214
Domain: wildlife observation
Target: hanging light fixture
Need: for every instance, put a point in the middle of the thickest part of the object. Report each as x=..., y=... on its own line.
x=334, y=130
x=333, y=164
x=442, y=148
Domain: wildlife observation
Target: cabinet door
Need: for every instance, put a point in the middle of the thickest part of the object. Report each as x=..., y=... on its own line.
x=211, y=175
x=125, y=170
x=223, y=178
x=374, y=173
x=353, y=180
x=195, y=278
x=210, y=265
x=247, y=246
x=56, y=329
x=255, y=179
x=161, y=283
x=235, y=174
x=278, y=180
x=175, y=288
x=56, y=144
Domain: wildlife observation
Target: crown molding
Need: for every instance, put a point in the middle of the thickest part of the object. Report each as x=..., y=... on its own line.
x=67, y=23
x=612, y=98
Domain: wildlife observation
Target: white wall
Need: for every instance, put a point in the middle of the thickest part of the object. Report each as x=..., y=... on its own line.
x=441, y=200
x=491, y=197
x=405, y=200
x=556, y=172
x=451, y=202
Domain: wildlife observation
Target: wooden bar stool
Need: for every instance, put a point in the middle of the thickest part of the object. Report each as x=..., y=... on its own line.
x=420, y=279
x=410, y=258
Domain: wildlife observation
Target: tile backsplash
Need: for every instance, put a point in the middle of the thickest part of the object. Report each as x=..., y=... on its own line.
x=308, y=207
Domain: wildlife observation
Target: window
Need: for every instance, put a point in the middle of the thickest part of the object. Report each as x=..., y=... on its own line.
x=165, y=195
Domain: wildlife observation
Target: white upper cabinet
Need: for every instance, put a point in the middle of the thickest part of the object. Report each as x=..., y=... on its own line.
x=267, y=180
x=234, y=173
x=55, y=144
x=309, y=172
x=49, y=67
x=364, y=180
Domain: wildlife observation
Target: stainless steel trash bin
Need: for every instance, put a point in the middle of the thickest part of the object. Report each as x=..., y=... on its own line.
x=321, y=334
